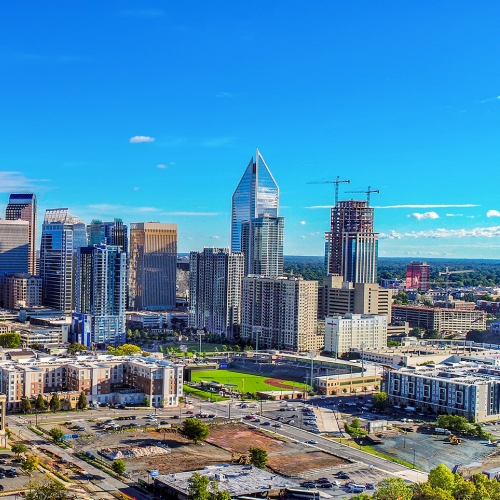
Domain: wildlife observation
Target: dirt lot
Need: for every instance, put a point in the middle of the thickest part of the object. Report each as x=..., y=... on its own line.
x=286, y=457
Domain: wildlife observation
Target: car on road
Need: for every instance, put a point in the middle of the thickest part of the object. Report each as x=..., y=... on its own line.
x=278, y=425
x=323, y=480
x=135, y=424
x=344, y=476
x=266, y=423
x=256, y=420
x=175, y=416
x=1, y=487
x=312, y=441
x=190, y=412
x=291, y=421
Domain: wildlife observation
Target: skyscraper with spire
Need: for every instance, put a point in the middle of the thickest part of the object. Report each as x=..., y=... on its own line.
x=256, y=228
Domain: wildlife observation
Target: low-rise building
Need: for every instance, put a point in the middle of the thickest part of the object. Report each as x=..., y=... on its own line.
x=440, y=319
x=103, y=378
x=367, y=331
x=470, y=390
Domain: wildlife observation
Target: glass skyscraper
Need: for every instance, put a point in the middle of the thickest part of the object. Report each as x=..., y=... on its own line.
x=257, y=194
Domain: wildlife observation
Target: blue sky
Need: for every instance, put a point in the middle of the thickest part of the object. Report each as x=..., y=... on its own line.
x=402, y=96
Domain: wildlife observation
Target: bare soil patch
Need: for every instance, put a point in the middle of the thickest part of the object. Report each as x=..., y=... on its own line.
x=276, y=382
x=301, y=462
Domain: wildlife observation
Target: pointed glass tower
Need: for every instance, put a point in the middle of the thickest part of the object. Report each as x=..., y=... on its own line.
x=257, y=194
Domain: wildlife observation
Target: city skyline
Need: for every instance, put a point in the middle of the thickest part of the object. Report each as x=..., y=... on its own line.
x=154, y=113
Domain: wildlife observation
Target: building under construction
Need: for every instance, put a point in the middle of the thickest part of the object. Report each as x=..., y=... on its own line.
x=351, y=243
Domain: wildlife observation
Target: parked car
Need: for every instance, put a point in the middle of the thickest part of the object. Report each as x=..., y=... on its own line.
x=326, y=485
x=370, y=486
x=291, y=421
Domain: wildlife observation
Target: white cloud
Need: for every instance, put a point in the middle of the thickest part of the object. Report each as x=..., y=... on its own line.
x=478, y=232
x=162, y=165
x=214, y=237
x=490, y=99
x=319, y=206
x=425, y=215
x=454, y=215
x=14, y=181
x=492, y=213
x=302, y=237
x=465, y=205
x=302, y=222
x=141, y=138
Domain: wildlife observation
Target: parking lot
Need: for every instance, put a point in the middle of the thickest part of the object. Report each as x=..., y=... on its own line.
x=13, y=482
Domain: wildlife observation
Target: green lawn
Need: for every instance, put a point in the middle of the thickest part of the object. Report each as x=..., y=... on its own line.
x=246, y=382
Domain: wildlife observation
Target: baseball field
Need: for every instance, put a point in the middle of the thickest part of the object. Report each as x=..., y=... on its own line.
x=245, y=382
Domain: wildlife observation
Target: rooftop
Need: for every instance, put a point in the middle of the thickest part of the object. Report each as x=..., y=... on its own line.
x=237, y=479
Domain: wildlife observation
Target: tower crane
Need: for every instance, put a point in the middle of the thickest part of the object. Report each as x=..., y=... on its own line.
x=337, y=181
x=447, y=273
x=368, y=192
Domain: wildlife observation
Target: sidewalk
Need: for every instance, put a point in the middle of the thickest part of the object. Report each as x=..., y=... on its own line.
x=326, y=420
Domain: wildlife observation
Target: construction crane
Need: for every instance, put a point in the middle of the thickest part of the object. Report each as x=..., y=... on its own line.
x=447, y=273
x=368, y=192
x=337, y=181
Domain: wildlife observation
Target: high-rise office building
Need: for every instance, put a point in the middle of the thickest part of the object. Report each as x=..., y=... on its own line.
x=100, y=291
x=62, y=235
x=279, y=312
x=14, y=246
x=23, y=206
x=257, y=194
x=108, y=233
x=418, y=276
x=262, y=244
x=351, y=243
x=215, y=290
x=153, y=260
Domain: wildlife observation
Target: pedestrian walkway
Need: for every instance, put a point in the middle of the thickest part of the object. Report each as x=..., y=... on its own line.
x=326, y=420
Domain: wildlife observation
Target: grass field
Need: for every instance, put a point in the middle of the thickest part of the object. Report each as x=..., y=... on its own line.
x=246, y=382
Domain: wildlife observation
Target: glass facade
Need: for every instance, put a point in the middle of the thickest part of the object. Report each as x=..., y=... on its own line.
x=257, y=194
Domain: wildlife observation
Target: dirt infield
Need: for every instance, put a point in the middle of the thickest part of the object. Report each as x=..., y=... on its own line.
x=276, y=382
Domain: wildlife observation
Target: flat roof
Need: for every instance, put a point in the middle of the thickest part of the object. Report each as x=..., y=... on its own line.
x=237, y=479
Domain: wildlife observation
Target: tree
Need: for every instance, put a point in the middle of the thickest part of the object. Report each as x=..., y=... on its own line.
x=56, y=434
x=8, y=433
x=76, y=348
x=356, y=423
x=424, y=491
x=198, y=486
x=19, y=448
x=31, y=463
x=441, y=477
x=10, y=340
x=258, y=457
x=26, y=405
x=119, y=467
x=195, y=430
x=431, y=334
x=454, y=423
x=124, y=350
x=47, y=489
x=380, y=400
x=214, y=493
x=416, y=332
x=40, y=404
x=82, y=401
x=55, y=402
x=146, y=401
x=393, y=488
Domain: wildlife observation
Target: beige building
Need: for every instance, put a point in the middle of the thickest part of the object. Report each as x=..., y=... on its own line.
x=22, y=290
x=440, y=319
x=279, y=312
x=153, y=266
x=104, y=379
x=367, y=331
x=336, y=297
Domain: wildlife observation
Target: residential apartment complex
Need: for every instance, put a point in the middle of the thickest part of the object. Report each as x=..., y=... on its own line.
x=467, y=389
x=440, y=319
x=336, y=297
x=101, y=282
x=22, y=290
x=215, y=291
x=365, y=331
x=279, y=312
x=104, y=379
